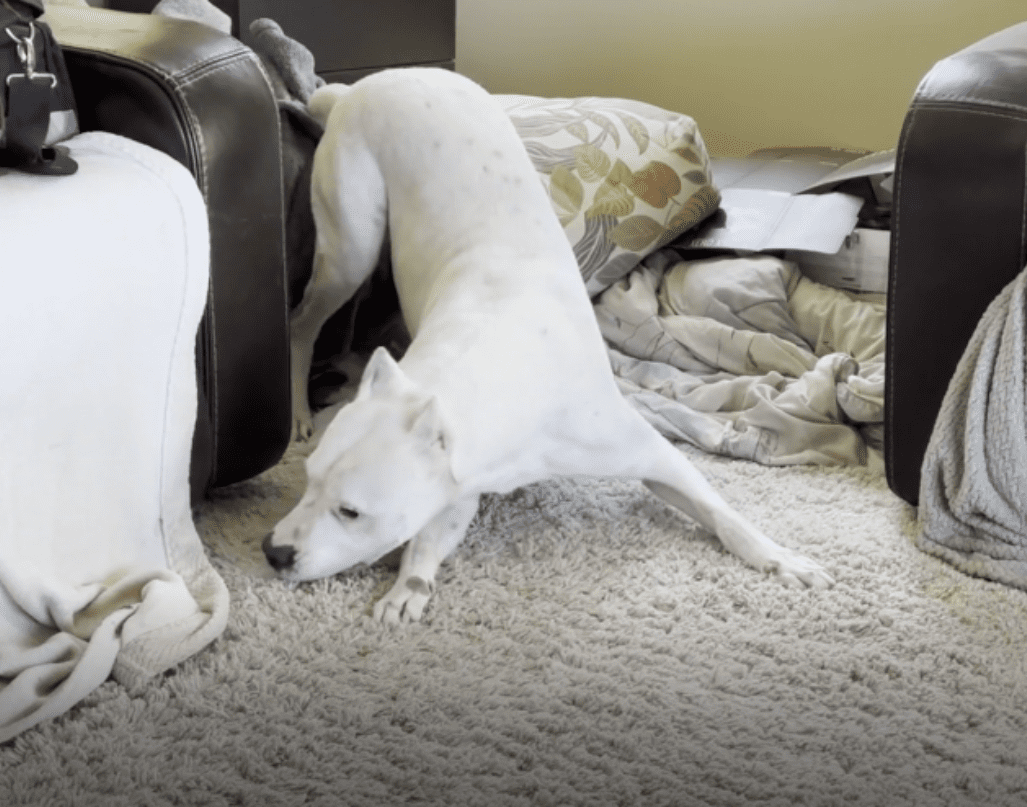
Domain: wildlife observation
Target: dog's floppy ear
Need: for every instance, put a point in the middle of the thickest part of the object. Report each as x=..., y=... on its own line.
x=381, y=373
x=428, y=425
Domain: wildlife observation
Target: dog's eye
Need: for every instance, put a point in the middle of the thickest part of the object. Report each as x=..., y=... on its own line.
x=346, y=513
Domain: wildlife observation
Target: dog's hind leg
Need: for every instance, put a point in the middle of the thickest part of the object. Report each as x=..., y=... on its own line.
x=423, y=555
x=679, y=483
x=629, y=447
x=349, y=204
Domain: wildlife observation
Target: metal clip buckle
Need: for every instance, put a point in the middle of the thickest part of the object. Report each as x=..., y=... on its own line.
x=27, y=55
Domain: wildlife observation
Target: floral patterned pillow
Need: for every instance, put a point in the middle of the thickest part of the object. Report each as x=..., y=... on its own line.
x=625, y=177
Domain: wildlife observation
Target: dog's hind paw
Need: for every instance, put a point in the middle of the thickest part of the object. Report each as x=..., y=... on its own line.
x=404, y=602
x=794, y=569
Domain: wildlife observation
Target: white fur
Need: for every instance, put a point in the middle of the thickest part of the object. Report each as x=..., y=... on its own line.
x=507, y=380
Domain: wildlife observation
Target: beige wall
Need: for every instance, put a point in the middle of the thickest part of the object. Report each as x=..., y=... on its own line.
x=753, y=73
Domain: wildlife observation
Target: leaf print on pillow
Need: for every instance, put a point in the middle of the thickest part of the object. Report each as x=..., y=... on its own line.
x=612, y=199
x=593, y=250
x=543, y=125
x=613, y=270
x=604, y=163
x=635, y=234
x=592, y=163
x=704, y=202
x=637, y=131
x=578, y=130
x=696, y=177
x=656, y=184
x=608, y=127
x=689, y=154
x=547, y=159
x=567, y=194
x=620, y=172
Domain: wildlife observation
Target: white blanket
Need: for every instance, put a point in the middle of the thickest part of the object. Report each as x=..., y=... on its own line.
x=973, y=482
x=101, y=569
x=746, y=357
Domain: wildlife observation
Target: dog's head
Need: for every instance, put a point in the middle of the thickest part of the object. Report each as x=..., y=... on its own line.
x=381, y=471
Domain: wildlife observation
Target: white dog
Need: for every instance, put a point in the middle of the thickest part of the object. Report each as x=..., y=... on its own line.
x=506, y=381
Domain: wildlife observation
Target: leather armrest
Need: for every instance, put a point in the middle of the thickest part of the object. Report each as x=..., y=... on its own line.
x=959, y=231
x=202, y=98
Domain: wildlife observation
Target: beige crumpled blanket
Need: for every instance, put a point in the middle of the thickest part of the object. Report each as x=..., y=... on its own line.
x=744, y=356
x=973, y=483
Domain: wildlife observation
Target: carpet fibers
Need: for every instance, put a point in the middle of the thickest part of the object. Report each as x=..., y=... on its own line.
x=587, y=646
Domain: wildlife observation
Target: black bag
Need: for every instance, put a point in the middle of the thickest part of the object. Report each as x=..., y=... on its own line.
x=37, y=107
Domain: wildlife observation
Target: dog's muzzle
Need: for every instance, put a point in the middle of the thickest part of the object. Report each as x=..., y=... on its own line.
x=280, y=557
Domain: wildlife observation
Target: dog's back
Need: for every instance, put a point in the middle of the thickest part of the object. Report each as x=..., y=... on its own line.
x=488, y=282
x=462, y=193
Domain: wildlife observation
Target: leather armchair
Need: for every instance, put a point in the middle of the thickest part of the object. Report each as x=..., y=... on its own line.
x=958, y=231
x=203, y=98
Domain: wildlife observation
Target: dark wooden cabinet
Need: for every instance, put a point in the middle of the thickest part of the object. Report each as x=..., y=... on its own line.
x=349, y=38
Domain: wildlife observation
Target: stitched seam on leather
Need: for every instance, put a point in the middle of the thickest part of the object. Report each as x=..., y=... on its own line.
x=969, y=110
x=177, y=83
x=182, y=81
x=213, y=394
x=915, y=107
x=197, y=73
x=893, y=283
x=963, y=101
x=174, y=81
x=1023, y=214
x=201, y=70
x=201, y=148
x=241, y=52
x=281, y=184
x=170, y=81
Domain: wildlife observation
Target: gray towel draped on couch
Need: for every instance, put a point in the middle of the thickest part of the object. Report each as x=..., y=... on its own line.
x=973, y=488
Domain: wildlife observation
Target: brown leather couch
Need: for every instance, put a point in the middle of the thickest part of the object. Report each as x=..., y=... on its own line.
x=959, y=231
x=202, y=98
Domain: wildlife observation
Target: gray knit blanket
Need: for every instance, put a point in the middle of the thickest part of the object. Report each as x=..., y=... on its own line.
x=973, y=488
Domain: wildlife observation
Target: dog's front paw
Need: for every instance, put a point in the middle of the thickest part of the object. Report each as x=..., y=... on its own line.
x=405, y=601
x=794, y=569
x=302, y=417
x=302, y=427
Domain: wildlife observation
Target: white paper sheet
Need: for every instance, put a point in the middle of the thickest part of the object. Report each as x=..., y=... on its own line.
x=760, y=220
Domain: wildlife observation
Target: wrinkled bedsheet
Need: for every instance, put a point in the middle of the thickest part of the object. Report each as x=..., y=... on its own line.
x=746, y=357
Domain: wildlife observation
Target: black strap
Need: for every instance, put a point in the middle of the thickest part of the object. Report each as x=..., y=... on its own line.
x=28, y=115
x=23, y=10
x=29, y=100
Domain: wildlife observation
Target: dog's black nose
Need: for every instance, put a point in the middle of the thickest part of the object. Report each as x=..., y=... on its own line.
x=280, y=557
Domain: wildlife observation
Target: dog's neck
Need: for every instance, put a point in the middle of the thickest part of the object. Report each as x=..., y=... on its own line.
x=485, y=440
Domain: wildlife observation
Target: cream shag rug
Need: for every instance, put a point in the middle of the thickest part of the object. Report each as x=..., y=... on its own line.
x=587, y=646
